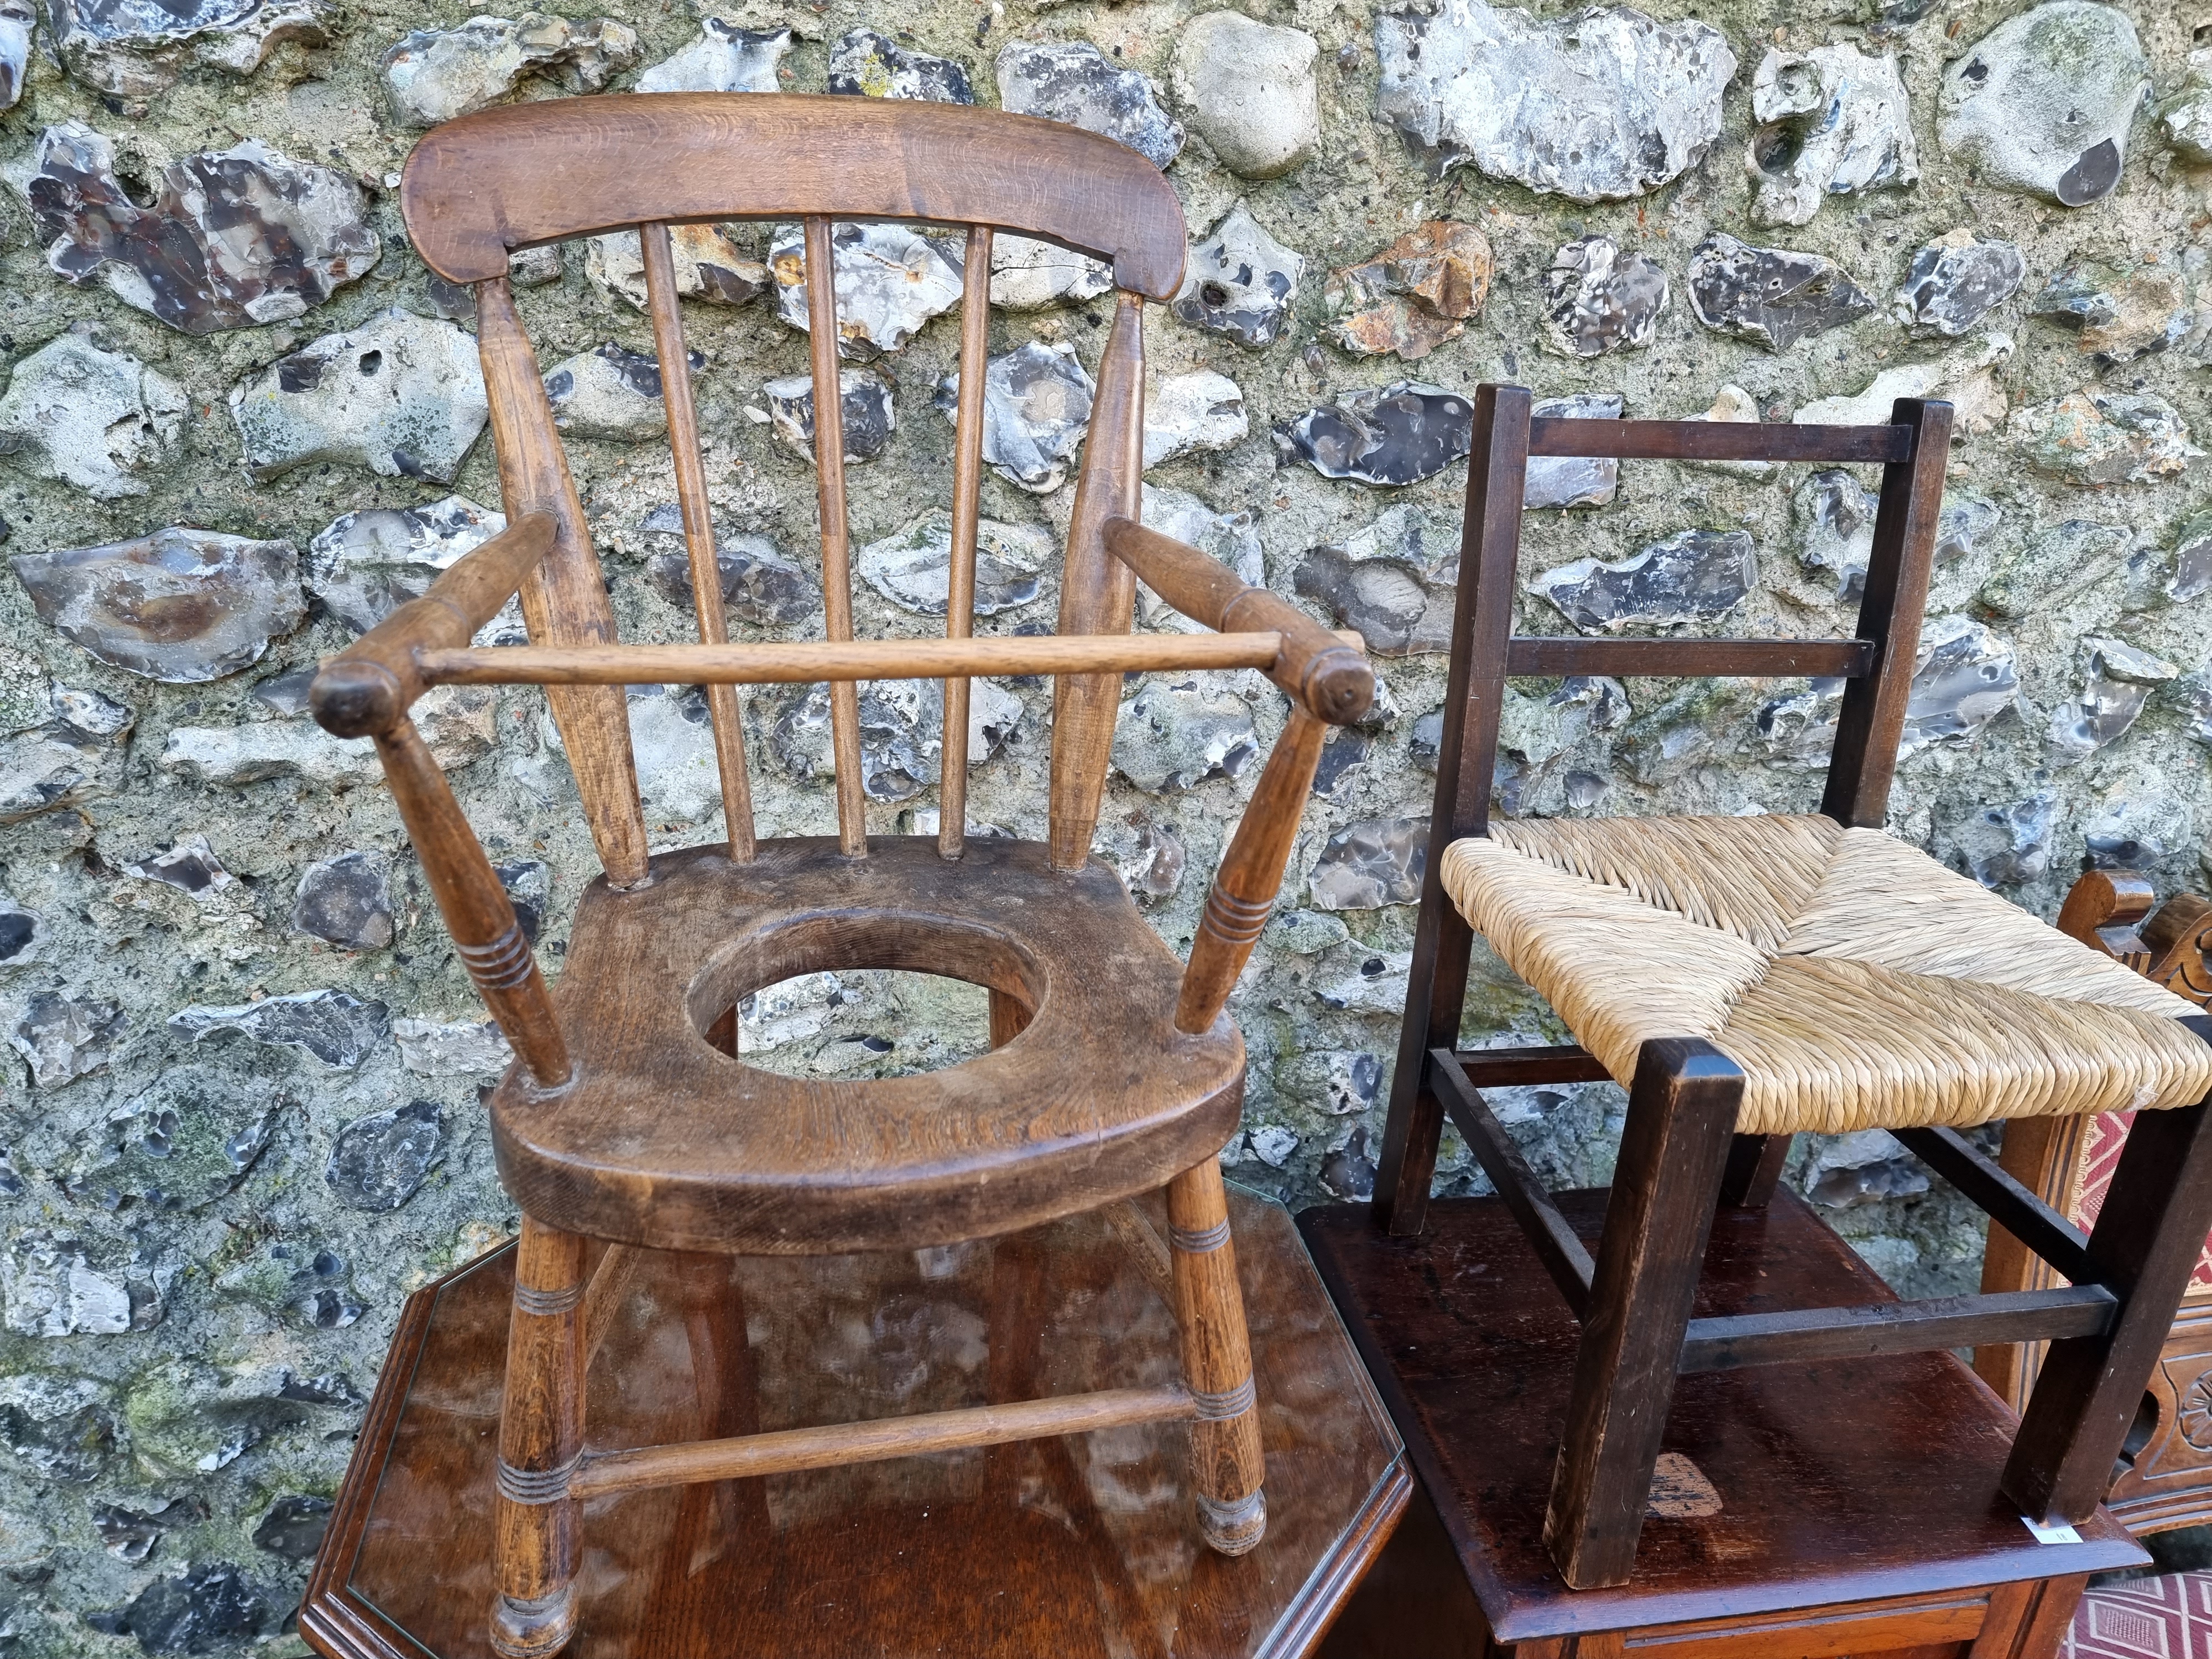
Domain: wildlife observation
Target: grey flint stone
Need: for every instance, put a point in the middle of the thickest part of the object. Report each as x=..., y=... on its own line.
x=864, y=64
x=2185, y=118
x=1832, y=122
x=1598, y=107
x=1954, y=281
x=1179, y=730
x=2042, y=103
x=1597, y=300
x=1027, y=274
x=231, y=239
x=2121, y=308
x=1769, y=294
x=864, y=399
x=433, y=75
x=80, y=411
x=2118, y=681
x=1398, y=434
x=1072, y=81
x=1573, y=480
x=136, y=48
x=1963, y=678
x=1037, y=407
x=723, y=57
x=2092, y=437
x=1187, y=414
x=182, y=605
x=890, y=279
x=336, y=1027
x=1695, y=575
x=710, y=261
x=16, y=19
x=758, y=584
x=64, y=1037
x=1250, y=92
x=381, y=1161
x=912, y=567
x=610, y=391
x=1240, y=281
x=1367, y=866
x=902, y=726
x=346, y=900
x=363, y=566
x=401, y=395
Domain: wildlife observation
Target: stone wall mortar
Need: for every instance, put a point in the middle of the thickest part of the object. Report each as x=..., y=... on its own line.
x=241, y=1114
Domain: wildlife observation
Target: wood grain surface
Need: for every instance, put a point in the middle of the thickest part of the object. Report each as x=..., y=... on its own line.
x=477, y=189
x=1083, y=1547
x=1099, y=1098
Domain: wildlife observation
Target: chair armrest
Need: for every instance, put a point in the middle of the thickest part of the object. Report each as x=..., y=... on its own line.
x=1317, y=668
x=369, y=687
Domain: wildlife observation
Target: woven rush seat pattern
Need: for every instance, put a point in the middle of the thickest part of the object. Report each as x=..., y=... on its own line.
x=1857, y=982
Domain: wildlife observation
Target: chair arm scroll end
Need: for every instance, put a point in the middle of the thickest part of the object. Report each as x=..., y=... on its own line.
x=355, y=697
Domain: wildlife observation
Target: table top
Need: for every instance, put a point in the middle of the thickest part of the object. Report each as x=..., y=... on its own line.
x=1060, y=1548
x=1835, y=1481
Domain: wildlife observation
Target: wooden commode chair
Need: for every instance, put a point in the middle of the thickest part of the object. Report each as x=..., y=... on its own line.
x=628, y=1121
x=1746, y=978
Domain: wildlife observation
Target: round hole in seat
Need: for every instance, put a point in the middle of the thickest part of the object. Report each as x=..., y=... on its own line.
x=859, y=993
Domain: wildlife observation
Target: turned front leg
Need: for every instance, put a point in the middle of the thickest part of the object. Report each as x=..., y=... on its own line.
x=541, y=1438
x=1227, y=1465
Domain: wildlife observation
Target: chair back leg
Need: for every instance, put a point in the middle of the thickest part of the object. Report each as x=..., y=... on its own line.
x=2146, y=1241
x=1755, y=1168
x=1681, y=1112
x=536, y=1542
x=1227, y=1469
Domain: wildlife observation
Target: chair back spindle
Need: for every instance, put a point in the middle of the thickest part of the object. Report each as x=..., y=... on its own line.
x=1097, y=592
x=967, y=510
x=836, y=553
x=698, y=529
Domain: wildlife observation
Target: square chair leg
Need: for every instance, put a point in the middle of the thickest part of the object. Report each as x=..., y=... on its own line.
x=2146, y=1241
x=1681, y=1110
x=1226, y=1464
x=541, y=1440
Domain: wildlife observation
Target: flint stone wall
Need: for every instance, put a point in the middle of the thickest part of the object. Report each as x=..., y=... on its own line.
x=240, y=421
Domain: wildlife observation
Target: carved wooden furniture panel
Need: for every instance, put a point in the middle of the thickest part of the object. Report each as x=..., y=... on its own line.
x=1080, y=1547
x=2165, y=1476
x=1746, y=978
x=1840, y=1505
x=626, y=1120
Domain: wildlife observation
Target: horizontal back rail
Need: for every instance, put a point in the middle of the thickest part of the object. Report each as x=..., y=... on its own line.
x=1718, y=441
x=478, y=188
x=803, y=661
x=1689, y=658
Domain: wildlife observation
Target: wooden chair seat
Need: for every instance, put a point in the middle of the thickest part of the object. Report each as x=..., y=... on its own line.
x=1857, y=983
x=662, y=1139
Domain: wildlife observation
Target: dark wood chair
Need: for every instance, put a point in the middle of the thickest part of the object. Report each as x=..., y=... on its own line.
x=628, y=1119
x=1746, y=978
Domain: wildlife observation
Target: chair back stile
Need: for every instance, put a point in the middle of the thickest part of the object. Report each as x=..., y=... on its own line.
x=564, y=601
x=1097, y=592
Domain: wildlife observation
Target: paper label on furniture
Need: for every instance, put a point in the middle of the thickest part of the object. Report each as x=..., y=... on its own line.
x=2051, y=1533
x=1680, y=1491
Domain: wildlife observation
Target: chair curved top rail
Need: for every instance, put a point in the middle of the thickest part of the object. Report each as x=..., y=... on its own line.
x=478, y=188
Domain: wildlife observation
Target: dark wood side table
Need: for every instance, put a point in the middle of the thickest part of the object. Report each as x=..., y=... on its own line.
x=1074, y=1548
x=1833, y=1508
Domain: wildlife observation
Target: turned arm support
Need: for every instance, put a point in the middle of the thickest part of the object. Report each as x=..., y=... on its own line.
x=1321, y=671
x=366, y=690
x=369, y=687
